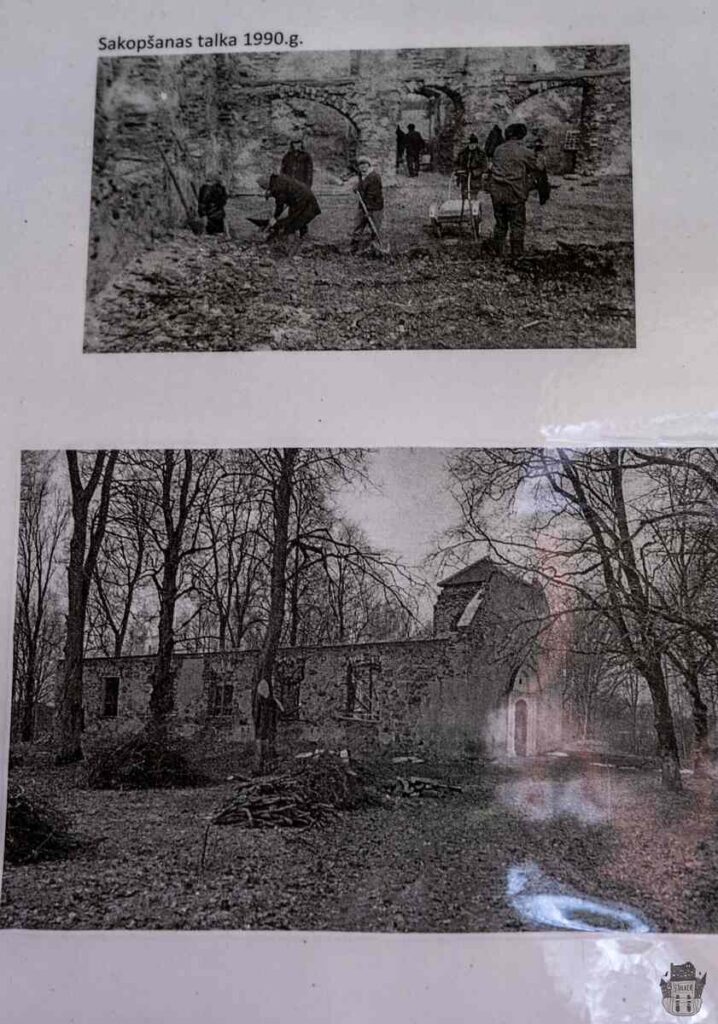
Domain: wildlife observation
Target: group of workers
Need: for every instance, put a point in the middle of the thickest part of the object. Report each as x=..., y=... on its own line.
x=506, y=167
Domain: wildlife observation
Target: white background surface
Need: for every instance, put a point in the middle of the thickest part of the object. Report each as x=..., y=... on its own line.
x=51, y=396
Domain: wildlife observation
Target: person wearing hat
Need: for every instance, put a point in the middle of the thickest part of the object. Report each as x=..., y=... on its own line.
x=297, y=163
x=471, y=163
x=299, y=202
x=370, y=188
x=514, y=171
x=211, y=202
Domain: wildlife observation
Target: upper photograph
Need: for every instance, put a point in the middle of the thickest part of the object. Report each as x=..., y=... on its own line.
x=379, y=199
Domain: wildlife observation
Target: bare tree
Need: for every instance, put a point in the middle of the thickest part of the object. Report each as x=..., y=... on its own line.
x=43, y=518
x=173, y=487
x=580, y=532
x=88, y=528
x=120, y=571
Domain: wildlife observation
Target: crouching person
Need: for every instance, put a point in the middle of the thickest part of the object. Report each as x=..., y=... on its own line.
x=370, y=204
x=211, y=202
x=300, y=203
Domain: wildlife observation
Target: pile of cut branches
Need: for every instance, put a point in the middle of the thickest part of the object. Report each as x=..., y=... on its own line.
x=35, y=829
x=305, y=794
x=142, y=763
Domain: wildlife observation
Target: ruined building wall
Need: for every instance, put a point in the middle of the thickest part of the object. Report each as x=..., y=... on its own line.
x=447, y=693
x=419, y=693
x=233, y=114
x=143, y=108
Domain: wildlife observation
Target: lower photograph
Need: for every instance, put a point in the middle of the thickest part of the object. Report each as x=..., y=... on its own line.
x=386, y=690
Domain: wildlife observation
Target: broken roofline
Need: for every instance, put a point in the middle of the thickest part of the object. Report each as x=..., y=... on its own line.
x=481, y=571
x=309, y=648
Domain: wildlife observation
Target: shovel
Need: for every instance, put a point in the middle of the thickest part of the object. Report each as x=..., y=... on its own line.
x=195, y=223
x=378, y=245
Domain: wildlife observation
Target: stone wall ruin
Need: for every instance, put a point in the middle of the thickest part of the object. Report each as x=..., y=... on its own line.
x=446, y=693
x=165, y=123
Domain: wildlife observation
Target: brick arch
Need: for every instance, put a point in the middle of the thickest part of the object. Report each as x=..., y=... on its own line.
x=334, y=97
x=517, y=96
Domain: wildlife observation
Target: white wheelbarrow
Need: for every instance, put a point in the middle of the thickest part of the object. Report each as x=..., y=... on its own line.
x=456, y=215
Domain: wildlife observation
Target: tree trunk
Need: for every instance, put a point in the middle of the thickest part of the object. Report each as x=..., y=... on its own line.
x=80, y=569
x=267, y=736
x=647, y=659
x=162, y=696
x=667, y=744
x=68, y=715
x=27, y=723
x=700, y=722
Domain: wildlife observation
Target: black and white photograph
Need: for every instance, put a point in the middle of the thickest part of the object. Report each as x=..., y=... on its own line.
x=434, y=198
x=372, y=690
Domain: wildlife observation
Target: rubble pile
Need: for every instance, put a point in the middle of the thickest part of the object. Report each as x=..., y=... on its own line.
x=214, y=294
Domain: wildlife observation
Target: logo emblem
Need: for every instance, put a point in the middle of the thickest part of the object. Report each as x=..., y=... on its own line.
x=682, y=989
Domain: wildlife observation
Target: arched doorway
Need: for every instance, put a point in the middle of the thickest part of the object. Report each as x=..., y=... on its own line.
x=553, y=114
x=329, y=131
x=438, y=113
x=521, y=728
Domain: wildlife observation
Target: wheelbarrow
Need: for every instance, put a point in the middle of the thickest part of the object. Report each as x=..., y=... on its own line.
x=456, y=213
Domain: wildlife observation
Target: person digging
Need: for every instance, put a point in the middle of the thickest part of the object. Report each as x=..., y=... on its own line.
x=370, y=207
x=300, y=203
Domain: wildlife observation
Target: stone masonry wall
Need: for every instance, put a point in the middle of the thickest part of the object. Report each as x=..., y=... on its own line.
x=232, y=114
x=447, y=692
x=420, y=693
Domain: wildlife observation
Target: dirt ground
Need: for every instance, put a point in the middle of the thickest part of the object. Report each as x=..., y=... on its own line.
x=573, y=289
x=584, y=829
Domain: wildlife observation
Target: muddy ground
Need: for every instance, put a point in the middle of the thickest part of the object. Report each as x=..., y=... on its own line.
x=573, y=289
x=590, y=830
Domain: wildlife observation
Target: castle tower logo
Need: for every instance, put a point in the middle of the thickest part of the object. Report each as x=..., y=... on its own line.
x=682, y=990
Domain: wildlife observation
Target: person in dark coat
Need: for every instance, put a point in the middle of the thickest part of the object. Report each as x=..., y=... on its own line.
x=299, y=202
x=415, y=146
x=493, y=139
x=471, y=163
x=400, y=146
x=513, y=174
x=298, y=164
x=370, y=188
x=543, y=185
x=211, y=202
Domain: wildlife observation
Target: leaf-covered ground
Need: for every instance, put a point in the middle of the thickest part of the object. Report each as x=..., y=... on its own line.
x=574, y=289
x=411, y=865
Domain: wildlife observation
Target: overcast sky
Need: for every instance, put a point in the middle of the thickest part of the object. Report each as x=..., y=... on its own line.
x=409, y=506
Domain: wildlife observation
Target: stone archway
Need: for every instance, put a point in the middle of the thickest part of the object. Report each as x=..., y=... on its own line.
x=554, y=116
x=445, y=118
x=368, y=123
x=604, y=123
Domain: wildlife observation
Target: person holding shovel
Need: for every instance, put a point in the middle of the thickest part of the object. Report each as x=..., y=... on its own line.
x=298, y=200
x=370, y=206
